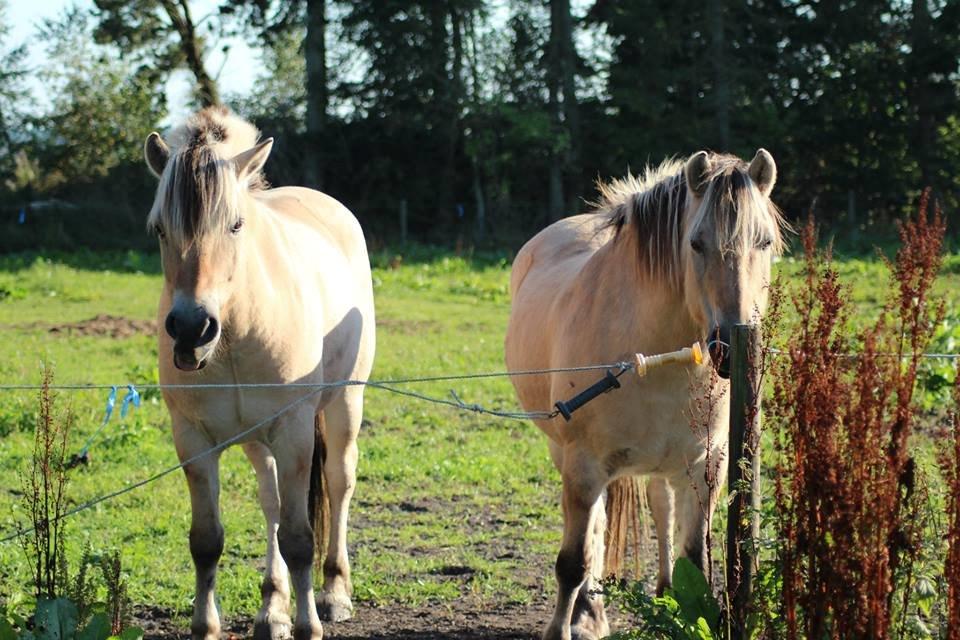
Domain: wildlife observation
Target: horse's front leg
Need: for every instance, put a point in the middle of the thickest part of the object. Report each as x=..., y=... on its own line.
x=696, y=500
x=293, y=452
x=341, y=425
x=579, y=615
x=660, y=498
x=206, y=532
x=273, y=620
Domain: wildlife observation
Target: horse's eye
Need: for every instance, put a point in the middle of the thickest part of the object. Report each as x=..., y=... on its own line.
x=696, y=245
x=157, y=229
x=237, y=226
x=765, y=244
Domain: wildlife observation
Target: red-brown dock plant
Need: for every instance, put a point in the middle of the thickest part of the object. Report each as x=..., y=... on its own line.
x=950, y=464
x=845, y=482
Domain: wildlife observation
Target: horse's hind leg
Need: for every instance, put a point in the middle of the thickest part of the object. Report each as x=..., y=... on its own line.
x=589, y=619
x=273, y=620
x=293, y=452
x=583, y=483
x=660, y=499
x=342, y=424
x=206, y=532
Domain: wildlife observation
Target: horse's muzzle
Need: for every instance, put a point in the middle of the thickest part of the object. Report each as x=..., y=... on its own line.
x=194, y=336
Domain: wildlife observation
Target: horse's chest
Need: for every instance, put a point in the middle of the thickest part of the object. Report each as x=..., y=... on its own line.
x=230, y=412
x=654, y=429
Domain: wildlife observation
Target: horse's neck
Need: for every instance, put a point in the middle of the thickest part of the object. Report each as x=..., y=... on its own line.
x=647, y=311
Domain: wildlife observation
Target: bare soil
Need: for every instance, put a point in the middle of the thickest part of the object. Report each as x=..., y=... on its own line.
x=101, y=325
x=460, y=619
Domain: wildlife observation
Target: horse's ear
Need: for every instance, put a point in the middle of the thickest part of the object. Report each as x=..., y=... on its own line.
x=763, y=171
x=251, y=161
x=698, y=166
x=156, y=153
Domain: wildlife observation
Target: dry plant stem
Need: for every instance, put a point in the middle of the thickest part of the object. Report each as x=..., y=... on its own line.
x=845, y=486
x=45, y=496
x=706, y=398
x=950, y=464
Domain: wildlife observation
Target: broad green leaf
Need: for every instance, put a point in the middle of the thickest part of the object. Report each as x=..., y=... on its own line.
x=693, y=594
x=131, y=633
x=56, y=619
x=97, y=629
x=688, y=579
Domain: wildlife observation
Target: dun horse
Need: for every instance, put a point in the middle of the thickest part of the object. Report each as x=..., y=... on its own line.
x=679, y=255
x=261, y=286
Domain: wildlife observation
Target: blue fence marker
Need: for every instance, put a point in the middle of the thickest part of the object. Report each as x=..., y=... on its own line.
x=132, y=397
x=111, y=403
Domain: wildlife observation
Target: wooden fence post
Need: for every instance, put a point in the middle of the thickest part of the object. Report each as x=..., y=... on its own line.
x=743, y=476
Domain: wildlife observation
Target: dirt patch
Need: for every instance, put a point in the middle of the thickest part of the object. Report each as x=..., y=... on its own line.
x=408, y=327
x=461, y=619
x=102, y=325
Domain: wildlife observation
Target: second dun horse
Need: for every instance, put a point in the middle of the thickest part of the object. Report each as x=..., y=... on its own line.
x=261, y=286
x=679, y=255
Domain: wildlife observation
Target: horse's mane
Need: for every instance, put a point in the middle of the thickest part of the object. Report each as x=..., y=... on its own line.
x=653, y=205
x=198, y=188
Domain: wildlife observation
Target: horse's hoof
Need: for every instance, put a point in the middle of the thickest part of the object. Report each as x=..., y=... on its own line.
x=207, y=631
x=554, y=633
x=333, y=608
x=308, y=633
x=272, y=627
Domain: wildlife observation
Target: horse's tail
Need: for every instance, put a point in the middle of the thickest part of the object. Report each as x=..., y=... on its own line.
x=318, y=501
x=626, y=524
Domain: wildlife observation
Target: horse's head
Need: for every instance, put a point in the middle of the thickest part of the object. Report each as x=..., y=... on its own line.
x=733, y=230
x=203, y=217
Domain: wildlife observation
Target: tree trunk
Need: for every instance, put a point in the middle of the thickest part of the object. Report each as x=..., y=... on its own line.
x=179, y=14
x=445, y=112
x=564, y=111
x=315, y=53
x=921, y=94
x=721, y=89
x=480, y=221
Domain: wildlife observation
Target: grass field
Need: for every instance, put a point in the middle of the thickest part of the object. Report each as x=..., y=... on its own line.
x=449, y=505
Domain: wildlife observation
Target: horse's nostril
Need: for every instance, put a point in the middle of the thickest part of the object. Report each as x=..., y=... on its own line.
x=210, y=330
x=718, y=351
x=171, y=326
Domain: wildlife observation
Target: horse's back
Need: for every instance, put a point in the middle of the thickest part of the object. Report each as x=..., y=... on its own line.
x=558, y=251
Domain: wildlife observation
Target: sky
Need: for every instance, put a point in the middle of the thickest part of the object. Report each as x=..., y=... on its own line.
x=232, y=70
